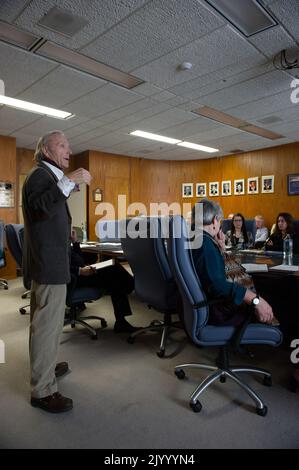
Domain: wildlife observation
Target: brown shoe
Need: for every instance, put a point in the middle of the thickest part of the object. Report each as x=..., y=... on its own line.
x=55, y=403
x=61, y=369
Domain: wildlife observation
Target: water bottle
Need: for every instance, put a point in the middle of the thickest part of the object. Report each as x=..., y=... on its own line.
x=288, y=250
x=84, y=233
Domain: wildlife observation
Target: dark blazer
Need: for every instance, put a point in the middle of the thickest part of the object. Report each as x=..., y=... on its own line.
x=47, y=222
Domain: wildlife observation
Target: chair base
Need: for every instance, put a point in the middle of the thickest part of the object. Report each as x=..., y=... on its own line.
x=221, y=373
x=23, y=310
x=156, y=325
x=4, y=283
x=73, y=319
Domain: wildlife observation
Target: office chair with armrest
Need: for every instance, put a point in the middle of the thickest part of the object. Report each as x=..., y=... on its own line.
x=3, y=282
x=76, y=297
x=196, y=314
x=154, y=283
x=15, y=241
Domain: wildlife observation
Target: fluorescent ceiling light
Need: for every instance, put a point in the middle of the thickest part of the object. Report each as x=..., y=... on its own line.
x=87, y=64
x=232, y=121
x=248, y=16
x=15, y=35
x=160, y=138
x=203, y=148
x=34, y=108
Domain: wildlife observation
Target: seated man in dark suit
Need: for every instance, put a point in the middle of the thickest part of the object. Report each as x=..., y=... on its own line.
x=116, y=281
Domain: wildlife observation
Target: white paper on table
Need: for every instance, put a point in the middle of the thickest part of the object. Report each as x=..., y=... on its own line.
x=285, y=267
x=253, y=268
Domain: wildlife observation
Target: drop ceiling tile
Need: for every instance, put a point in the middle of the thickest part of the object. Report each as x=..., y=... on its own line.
x=61, y=86
x=20, y=69
x=261, y=107
x=287, y=12
x=180, y=22
x=46, y=124
x=201, y=53
x=103, y=100
x=101, y=16
x=184, y=130
x=272, y=41
x=10, y=10
x=13, y=119
x=253, y=89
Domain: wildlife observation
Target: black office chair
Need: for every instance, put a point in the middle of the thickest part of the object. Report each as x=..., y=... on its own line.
x=154, y=283
x=75, y=300
x=196, y=314
x=15, y=241
x=3, y=282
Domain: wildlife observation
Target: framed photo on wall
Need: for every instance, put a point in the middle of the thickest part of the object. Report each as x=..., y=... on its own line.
x=187, y=190
x=201, y=189
x=293, y=184
x=268, y=184
x=239, y=187
x=226, y=188
x=253, y=185
x=214, y=188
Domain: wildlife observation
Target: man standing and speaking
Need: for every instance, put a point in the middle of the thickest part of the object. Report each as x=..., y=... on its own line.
x=47, y=223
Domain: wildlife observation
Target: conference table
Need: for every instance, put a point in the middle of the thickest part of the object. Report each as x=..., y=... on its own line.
x=270, y=264
x=104, y=250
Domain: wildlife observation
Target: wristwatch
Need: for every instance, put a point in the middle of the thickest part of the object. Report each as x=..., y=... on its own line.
x=255, y=301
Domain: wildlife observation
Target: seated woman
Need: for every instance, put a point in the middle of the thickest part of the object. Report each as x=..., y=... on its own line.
x=210, y=266
x=261, y=232
x=284, y=226
x=238, y=238
x=115, y=280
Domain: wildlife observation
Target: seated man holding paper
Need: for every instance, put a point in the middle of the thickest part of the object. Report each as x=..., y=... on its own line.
x=115, y=279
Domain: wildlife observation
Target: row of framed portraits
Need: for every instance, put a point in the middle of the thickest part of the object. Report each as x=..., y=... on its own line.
x=225, y=187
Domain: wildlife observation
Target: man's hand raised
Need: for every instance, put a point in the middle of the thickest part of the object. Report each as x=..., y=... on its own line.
x=80, y=176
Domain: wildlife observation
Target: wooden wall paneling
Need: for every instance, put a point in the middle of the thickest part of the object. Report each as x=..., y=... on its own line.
x=8, y=173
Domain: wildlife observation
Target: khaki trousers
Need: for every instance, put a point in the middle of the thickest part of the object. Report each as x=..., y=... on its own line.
x=47, y=309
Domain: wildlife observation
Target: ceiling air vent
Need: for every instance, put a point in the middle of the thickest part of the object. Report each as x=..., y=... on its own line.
x=269, y=120
x=62, y=22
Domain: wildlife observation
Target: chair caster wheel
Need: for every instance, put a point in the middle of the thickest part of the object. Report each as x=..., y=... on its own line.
x=222, y=379
x=267, y=381
x=196, y=407
x=161, y=353
x=103, y=323
x=180, y=374
x=262, y=411
x=94, y=337
x=131, y=340
x=22, y=311
x=5, y=287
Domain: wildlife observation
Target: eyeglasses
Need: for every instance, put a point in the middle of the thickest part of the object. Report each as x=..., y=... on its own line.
x=238, y=220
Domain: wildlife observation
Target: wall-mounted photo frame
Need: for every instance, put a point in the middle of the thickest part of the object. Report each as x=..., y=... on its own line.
x=268, y=184
x=187, y=190
x=239, y=187
x=293, y=184
x=214, y=188
x=253, y=185
x=201, y=189
x=226, y=188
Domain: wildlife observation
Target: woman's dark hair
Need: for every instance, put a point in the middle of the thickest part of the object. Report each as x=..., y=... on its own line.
x=243, y=228
x=289, y=220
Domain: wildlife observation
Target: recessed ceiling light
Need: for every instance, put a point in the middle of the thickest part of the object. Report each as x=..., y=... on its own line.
x=160, y=138
x=34, y=108
x=248, y=16
x=203, y=148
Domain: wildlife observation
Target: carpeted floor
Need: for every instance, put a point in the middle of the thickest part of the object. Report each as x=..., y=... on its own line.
x=125, y=397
